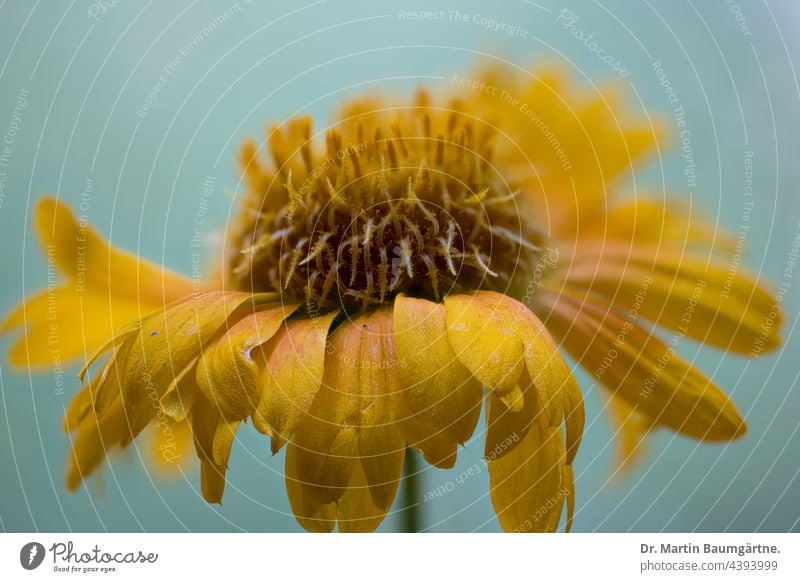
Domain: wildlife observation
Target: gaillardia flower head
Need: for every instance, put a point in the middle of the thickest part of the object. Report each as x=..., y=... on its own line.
x=387, y=277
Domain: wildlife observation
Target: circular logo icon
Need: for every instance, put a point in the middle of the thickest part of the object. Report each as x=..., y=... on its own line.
x=31, y=555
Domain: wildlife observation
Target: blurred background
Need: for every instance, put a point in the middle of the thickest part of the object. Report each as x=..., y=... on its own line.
x=147, y=101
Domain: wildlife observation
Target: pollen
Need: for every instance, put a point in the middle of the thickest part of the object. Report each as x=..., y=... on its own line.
x=398, y=200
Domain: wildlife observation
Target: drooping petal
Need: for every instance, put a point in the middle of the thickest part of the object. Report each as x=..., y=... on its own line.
x=292, y=376
x=568, y=486
x=105, y=289
x=178, y=399
x=350, y=421
x=640, y=368
x=94, y=436
x=547, y=384
x=310, y=513
x=480, y=334
x=505, y=427
x=690, y=293
x=213, y=438
x=526, y=483
x=630, y=428
x=357, y=510
x=229, y=371
x=166, y=343
x=439, y=401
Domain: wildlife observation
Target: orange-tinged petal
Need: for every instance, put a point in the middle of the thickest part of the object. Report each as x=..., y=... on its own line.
x=229, y=371
x=641, y=369
x=689, y=293
x=439, y=401
x=310, y=513
x=526, y=483
x=292, y=376
x=350, y=419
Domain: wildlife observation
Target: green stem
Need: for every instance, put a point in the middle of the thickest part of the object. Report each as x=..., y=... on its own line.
x=411, y=502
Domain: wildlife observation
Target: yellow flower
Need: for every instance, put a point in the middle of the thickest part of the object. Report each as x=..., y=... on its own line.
x=376, y=290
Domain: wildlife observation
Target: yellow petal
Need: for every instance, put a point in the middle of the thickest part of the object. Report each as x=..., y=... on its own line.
x=93, y=437
x=311, y=514
x=551, y=376
x=121, y=273
x=568, y=487
x=356, y=510
x=653, y=221
x=229, y=371
x=439, y=401
x=506, y=428
x=105, y=289
x=630, y=429
x=177, y=400
x=693, y=294
x=526, y=484
x=212, y=440
x=144, y=367
x=481, y=336
x=295, y=362
x=641, y=369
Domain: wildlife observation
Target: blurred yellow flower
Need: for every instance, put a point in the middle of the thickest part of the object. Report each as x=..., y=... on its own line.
x=376, y=289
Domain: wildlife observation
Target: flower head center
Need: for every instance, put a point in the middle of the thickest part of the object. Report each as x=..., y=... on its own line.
x=416, y=208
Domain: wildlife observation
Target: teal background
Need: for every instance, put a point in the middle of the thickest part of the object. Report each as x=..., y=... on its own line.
x=267, y=61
